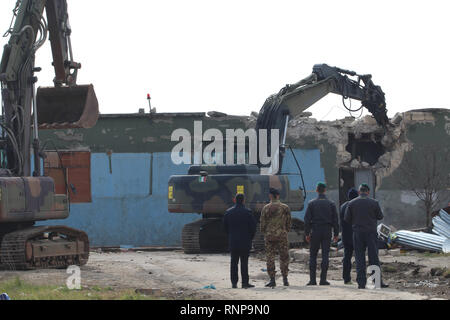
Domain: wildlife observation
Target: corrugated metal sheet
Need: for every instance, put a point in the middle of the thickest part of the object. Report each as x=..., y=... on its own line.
x=422, y=240
x=441, y=224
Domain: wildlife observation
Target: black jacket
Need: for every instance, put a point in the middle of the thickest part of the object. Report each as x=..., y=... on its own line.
x=346, y=228
x=321, y=211
x=240, y=225
x=363, y=213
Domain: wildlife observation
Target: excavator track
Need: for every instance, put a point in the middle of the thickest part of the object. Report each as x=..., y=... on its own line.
x=204, y=235
x=44, y=247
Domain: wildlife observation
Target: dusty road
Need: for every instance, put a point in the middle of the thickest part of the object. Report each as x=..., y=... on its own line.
x=177, y=275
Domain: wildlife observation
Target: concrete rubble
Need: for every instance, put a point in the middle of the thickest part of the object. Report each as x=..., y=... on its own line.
x=336, y=133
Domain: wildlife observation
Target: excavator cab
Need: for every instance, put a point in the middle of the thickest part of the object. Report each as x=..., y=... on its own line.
x=67, y=107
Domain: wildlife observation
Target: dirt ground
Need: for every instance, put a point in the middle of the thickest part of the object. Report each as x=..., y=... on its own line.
x=175, y=275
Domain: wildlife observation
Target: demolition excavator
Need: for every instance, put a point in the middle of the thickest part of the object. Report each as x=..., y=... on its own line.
x=26, y=196
x=209, y=189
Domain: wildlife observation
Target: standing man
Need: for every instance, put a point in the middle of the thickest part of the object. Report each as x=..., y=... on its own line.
x=363, y=213
x=240, y=226
x=275, y=225
x=347, y=238
x=320, y=218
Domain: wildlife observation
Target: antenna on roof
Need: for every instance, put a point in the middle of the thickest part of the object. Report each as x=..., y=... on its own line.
x=149, y=98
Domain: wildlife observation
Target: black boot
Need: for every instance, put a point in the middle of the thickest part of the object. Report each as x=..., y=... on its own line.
x=285, y=282
x=312, y=278
x=247, y=285
x=323, y=278
x=271, y=283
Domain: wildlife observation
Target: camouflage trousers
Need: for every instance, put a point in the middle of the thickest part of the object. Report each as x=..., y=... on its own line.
x=273, y=247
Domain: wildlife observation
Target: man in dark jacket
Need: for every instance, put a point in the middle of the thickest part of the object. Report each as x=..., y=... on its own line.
x=363, y=213
x=240, y=225
x=347, y=238
x=320, y=218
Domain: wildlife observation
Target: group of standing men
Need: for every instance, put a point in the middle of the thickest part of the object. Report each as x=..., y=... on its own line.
x=358, y=218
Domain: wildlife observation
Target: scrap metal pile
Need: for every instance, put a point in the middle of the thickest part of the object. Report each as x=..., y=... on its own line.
x=439, y=241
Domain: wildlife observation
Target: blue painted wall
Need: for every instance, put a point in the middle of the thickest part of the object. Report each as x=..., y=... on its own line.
x=309, y=161
x=125, y=210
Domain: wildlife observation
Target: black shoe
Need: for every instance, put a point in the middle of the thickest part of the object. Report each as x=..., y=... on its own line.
x=271, y=283
x=247, y=285
x=348, y=282
x=285, y=282
x=384, y=285
x=311, y=283
x=234, y=286
x=324, y=283
x=361, y=287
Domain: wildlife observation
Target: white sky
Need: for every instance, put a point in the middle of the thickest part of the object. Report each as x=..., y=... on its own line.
x=229, y=56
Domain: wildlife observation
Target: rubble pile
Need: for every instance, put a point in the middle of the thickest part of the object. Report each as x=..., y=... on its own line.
x=393, y=140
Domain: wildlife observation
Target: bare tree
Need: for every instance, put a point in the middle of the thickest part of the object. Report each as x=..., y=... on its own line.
x=426, y=172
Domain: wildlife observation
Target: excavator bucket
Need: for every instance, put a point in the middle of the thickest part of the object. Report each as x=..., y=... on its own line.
x=67, y=107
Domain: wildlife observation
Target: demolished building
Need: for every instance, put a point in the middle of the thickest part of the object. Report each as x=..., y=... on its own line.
x=118, y=171
x=357, y=151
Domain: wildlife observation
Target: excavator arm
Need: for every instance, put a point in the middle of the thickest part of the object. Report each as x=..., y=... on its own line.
x=66, y=105
x=325, y=79
x=294, y=99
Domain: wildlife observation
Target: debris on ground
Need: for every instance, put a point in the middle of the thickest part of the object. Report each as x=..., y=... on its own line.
x=426, y=283
x=421, y=240
x=417, y=240
x=211, y=286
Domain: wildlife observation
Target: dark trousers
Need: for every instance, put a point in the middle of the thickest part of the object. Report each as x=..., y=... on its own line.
x=320, y=238
x=347, y=262
x=364, y=240
x=242, y=255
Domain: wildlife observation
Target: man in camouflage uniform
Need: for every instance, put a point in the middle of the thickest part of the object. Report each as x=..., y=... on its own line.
x=275, y=225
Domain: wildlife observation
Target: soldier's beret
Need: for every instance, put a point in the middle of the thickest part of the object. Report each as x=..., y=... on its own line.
x=364, y=186
x=274, y=191
x=321, y=185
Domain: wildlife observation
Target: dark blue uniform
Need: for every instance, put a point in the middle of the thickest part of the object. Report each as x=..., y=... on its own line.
x=320, y=218
x=347, y=237
x=240, y=225
x=347, y=240
x=363, y=213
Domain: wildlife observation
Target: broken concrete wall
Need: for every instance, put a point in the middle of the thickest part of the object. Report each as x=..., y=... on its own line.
x=409, y=130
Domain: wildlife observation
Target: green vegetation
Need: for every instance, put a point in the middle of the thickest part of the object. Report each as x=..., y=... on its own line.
x=17, y=289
